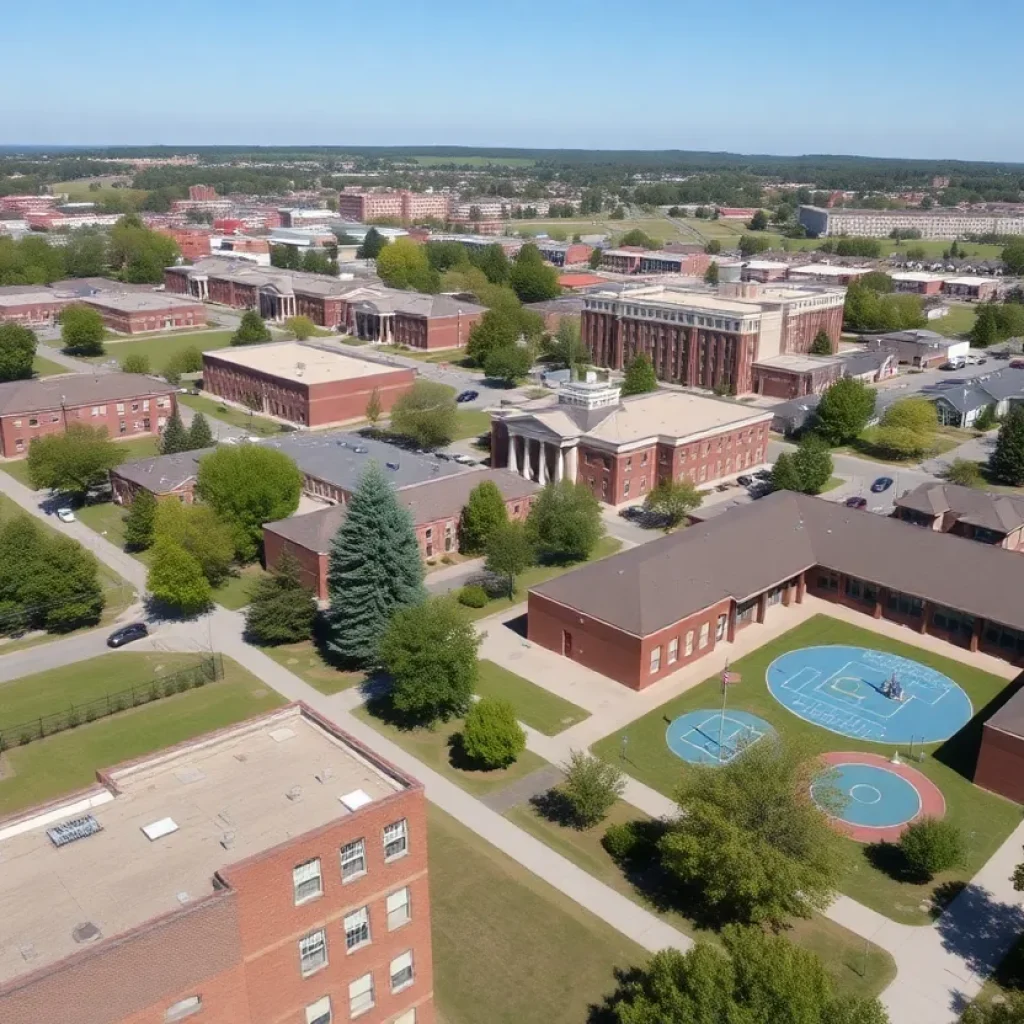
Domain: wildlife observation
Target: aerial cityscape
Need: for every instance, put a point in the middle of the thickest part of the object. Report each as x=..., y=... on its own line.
x=471, y=555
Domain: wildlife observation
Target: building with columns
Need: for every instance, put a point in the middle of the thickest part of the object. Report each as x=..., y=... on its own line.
x=622, y=448
x=642, y=614
x=708, y=338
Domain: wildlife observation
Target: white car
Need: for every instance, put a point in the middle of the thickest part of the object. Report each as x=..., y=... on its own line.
x=65, y=515
x=228, y=440
x=464, y=460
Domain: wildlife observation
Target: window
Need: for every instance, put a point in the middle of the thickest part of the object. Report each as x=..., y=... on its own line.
x=688, y=649
x=705, y=631
x=625, y=489
x=396, y=840
x=145, y=405
x=398, y=909
x=313, y=952
x=319, y=1012
x=307, y=881
x=183, y=1008
x=357, y=929
x=673, y=650
x=19, y=445
x=655, y=659
x=643, y=459
x=360, y=995
x=401, y=972
x=720, y=626
x=17, y=423
x=33, y=421
x=409, y=1017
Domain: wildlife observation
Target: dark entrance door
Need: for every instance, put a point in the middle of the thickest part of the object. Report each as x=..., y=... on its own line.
x=567, y=643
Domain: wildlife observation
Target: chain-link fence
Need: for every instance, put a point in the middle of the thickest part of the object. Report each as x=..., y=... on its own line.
x=206, y=671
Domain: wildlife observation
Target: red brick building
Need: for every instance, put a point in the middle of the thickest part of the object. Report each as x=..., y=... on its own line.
x=640, y=615
x=302, y=384
x=194, y=243
x=1000, y=764
x=793, y=376
x=630, y=260
x=435, y=506
x=31, y=305
x=274, y=872
x=917, y=282
x=996, y=519
x=621, y=449
x=127, y=404
x=708, y=339
x=403, y=206
x=138, y=312
x=202, y=193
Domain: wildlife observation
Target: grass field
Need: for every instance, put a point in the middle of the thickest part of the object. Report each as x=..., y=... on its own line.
x=866, y=446
x=536, y=707
x=538, y=574
x=43, y=367
x=161, y=348
x=958, y=321
x=471, y=423
x=508, y=948
x=305, y=661
x=217, y=410
x=857, y=969
x=79, y=191
x=437, y=749
x=985, y=819
x=68, y=761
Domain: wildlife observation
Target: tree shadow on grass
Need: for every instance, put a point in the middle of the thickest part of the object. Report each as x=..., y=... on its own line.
x=889, y=859
x=980, y=929
x=460, y=760
x=605, y=1011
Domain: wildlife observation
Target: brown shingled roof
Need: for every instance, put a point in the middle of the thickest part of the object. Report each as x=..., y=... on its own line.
x=999, y=512
x=756, y=546
x=72, y=389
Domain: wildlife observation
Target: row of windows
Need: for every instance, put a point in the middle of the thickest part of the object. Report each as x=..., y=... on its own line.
x=703, y=638
x=321, y=1012
x=122, y=428
x=100, y=410
x=401, y=974
x=693, y=319
x=307, y=878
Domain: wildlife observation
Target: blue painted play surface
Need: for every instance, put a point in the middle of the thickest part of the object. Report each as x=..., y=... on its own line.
x=875, y=796
x=704, y=737
x=841, y=689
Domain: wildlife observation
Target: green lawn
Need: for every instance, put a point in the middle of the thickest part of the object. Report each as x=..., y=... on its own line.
x=236, y=591
x=161, y=348
x=433, y=746
x=106, y=519
x=833, y=483
x=538, y=574
x=509, y=948
x=1007, y=978
x=214, y=409
x=857, y=970
x=471, y=423
x=959, y=320
x=536, y=707
x=43, y=367
x=68, y=761
x=866, y=447
x=304, y=660
x=985, y=819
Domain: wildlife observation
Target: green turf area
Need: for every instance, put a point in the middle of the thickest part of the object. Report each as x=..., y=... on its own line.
x=858, y=969
x=106, y=519
x=79, y=191
x=536, y=707
x=214, y=409
x=538, y=574
x=161, y=348
x=306, y=662
x=471, y=423
x=433, y=746
x=958, y=321
x=68, y=761
x=509, y=948
x=866, y=446
x=43, y=367
x=236, y=591
x=985, y=819
x=833, y=483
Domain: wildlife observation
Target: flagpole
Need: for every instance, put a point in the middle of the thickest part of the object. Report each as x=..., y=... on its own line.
x=721, y=724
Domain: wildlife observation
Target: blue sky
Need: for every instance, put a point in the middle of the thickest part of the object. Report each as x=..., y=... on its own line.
x=910, y=78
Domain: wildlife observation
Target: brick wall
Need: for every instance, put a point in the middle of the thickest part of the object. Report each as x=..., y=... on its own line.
x=1000, y=766
x=173, y=317
x=800, y=328
x=34, y=312
x=312, y=565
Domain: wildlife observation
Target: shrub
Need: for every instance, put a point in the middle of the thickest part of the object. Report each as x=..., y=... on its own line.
x=473, y=596
x=492, y=736
x=182, y=685
x=621, y=841
x=591, y=787
x=73, y=719
x=931, y=845
x=90, y=715
x=26, y=737
x=154, y=692
x=447, y=560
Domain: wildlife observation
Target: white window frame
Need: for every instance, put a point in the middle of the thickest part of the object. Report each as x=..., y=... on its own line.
x=357, y=929
x=409, y=1017
x=183, y=1008
x=302, y=876
x=398, y=906
x=310, y=946
x=349, y=854
x=405, y=971
x=689, y=643
x=705, y=635
x=319, y=1012
x=673, y=650
x=655, y=659
x=357, y=1001
x=720, y=627
x=396, y=834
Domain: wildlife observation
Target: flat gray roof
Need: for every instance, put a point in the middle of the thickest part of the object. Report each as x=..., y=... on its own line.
x=139, y=302
x=74, y=389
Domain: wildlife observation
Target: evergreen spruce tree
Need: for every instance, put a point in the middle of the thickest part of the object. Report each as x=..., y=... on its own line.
x=138, y=524
x=282, y=609
x=640, y=376
x=175, y=436
x=374, y=570
x=199, y=434
x=1007, y=462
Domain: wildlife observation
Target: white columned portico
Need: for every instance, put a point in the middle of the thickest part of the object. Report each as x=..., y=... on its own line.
x=542, y=463
x=571, y=468
x=513, y=455
x=559, y=465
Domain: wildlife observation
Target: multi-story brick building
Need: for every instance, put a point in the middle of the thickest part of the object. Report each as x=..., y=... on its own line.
x=644, y=614
x=127, y=404
x=792, y=376
x=917, y=282
x=202, y=193
x=403, y=206
x=622, y=448
x=136, y=312
x=933, y=223
x=302, y=384
x=972, y=289
x=32, y=305
x=645, y=261
x=708, y=339
x=274, y=872
x=435, y=507
x=563, y=254
x=194, y=243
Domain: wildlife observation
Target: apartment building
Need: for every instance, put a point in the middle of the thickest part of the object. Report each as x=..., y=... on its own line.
x=402, y=205
x=274, y=872
x=934, y=223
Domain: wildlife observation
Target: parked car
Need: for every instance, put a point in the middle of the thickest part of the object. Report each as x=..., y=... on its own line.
x=763, y=474
x=127, y=634
x=468, y=396
x=883, y=483
x=65, y=515
x=1017, y=364
x=632, y=512
x=856, y=502
x=744, y=481
x=464, y=460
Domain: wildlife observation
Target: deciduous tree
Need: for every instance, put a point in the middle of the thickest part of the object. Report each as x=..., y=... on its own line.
x=908, y=427
x=491, y=735
x=282, y=610
x=300, y=327
x=251, y=330
x=640, y=377
x=591, y=787
x=785, y=476
x=483, y=513
x=17, y=351
x=1007, y=460
x=198, y=530
x=426, y=413
x=375, y=569
x=136, y=362
x=844, y=411
x=176, y=579
x=81, y=331
x=531, y=278
x=248, y=486
x=565, y=522
x=566, y=345
x=509, y=364
x=510, y=551
x=931, y=845
x=711, y=275
x=404, y=264
x=73, y=461
x=759, y=222
x=813, y=464
x=430, y=652
x=673, y=500
x=138, y=524
x=374, y=407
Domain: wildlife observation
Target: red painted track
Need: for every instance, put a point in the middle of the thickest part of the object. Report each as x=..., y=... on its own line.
x=933, y=804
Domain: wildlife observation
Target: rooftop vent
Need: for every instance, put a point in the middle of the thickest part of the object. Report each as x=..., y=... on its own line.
x=85, y=932
x=324, y=774
x=73, y=830
x=227, y=840
x=356, y=799
x=294, y=794
x=280, y=735
x=28, y=951
x=158, y=829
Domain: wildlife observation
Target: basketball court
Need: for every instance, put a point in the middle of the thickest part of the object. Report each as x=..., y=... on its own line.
x=708, y=737
x=869, y=695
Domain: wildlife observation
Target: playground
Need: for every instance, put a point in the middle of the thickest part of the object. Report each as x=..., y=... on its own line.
x=714, y=737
